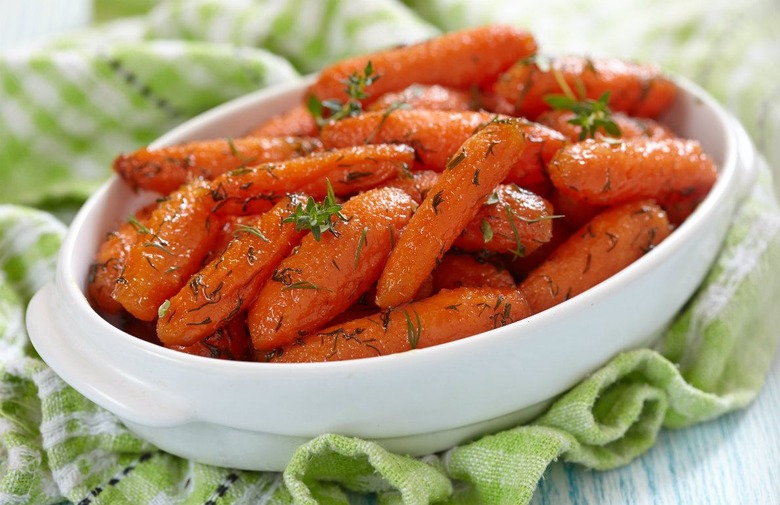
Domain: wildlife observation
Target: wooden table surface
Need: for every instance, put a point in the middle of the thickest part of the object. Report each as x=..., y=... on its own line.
x=732, y=460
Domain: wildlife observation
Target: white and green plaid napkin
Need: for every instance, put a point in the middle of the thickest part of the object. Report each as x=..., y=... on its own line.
x=67, y=108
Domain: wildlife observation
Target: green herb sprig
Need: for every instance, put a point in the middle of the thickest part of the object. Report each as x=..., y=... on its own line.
x=356, y=85
x=590, y=115
x=317, y=217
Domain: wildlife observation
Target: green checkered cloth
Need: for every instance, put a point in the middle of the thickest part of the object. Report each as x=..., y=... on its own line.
x=68, y=108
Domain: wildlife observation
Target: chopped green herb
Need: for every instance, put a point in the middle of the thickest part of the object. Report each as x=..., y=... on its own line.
x=413, y=333
x=356, y=85
x=242, y=228
x=163, y=308
x=317, y=217
x=487, y=230
x=590, y=115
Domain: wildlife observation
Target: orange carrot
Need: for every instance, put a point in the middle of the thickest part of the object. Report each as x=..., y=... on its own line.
x=458, y=270
x=521, y=267
x=630, y=127
x=229, y=284
x=461, y=59
x=296, y=122
x=170, y=248
x=165, y=169
x=230, y=342
x=430, y=97
x=472, y=174
x=636, y=89
x=350, y=170
x=608, y=173
x=512, y=220
x=324, y=277
x=542, y=145
x=110, y=261
x=610, y=242
x=444, y=317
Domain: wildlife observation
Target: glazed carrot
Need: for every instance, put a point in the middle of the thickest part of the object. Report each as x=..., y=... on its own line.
x=296, y=122
x=324, y=277
x=430, y=97
x=169, y=249
x=472, y=174
x=230, y=342
x=444, y=317
x=110, y=261
x=461, y=59
x=350, y=170
x=610, y=242
x=636, y=89
x=630, y=127
x=575, y=213
x=435, y=135
x=604, y=173
x=229, y=284
x=458, y=270
x=165, y=169
x=512, y=220
x=520, y=267
x=416, y=183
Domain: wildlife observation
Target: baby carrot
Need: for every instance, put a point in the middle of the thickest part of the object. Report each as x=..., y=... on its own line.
x=165, y=169
x=458, y=270
x=610, y=242
x=415, y=183
x=229, y=283
x=296, y=122
x=461, y=59
x=110, y=261
x=324, y=277
x=169, y=249
x=635, y=88
x=542, y=143
x=604, y=173
x=350, y=170
x=444, y=317
x=630, y=126
x=472, y=174
x=430, y=97
x=512, y=220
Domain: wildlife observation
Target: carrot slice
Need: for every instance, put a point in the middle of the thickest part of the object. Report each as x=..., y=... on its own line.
x=610, y=173
x=610, y=242
x=350, y=170
x=110, y=261
x=171, y=247
x=459, y=59
x=165, y=169
x=444, y=317
x=229, y=284
x=429, y=97
x=512, y=220
x=296, y=122
x=458, y=270
x=473, y=172
x=324, y=277
x=636, y=89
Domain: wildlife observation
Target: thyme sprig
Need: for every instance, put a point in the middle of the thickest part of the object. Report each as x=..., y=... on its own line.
x=590, y=115
x=317, y=217
x=356, y=85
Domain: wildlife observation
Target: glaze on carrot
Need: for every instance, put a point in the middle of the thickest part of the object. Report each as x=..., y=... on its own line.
x=228, y=284
x=444, y=317
x=609, y=173
x=610, y=242
x=460, y=59
x=630, y=127
x=428, y=97
x=472, y=174
x=458, y=270
x=296, y=122
x=229, y=342
x=179, y=234
x=324, y=277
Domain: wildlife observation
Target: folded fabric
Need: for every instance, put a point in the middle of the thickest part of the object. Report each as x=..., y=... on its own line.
x=68, y=108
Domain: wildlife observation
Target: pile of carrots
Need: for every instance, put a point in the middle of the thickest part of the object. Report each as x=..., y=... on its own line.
x=416, y=196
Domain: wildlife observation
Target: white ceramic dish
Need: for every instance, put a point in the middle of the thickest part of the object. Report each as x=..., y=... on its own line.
x=254, y=415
